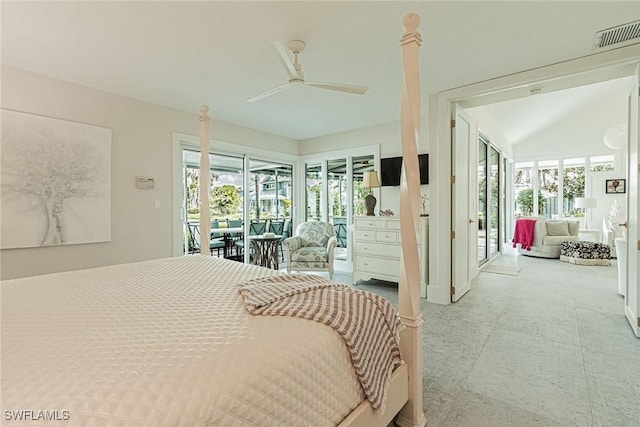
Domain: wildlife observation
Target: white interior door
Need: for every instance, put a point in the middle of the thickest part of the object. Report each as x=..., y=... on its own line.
x=632, y=295
x=463, y=239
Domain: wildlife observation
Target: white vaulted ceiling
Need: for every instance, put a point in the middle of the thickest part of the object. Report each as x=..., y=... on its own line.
x=182, y=54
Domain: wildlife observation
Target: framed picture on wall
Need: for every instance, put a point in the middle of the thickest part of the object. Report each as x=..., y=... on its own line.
x=615, y=186
x=56, y=182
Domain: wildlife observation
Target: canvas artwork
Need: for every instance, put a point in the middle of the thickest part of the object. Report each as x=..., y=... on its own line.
x=56, y=182
x=615, y=186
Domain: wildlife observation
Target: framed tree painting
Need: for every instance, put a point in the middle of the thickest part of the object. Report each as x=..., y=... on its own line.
x=615, y=186
x=56, y=182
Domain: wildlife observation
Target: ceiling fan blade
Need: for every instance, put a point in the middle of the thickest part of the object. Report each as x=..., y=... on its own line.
x=269, y=93
x=356, y=90
x=282, y=53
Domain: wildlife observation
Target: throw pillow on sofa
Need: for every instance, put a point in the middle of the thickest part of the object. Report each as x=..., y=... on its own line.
x=558, y=228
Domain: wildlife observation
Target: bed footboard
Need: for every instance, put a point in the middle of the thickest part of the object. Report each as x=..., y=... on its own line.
x=398, y=394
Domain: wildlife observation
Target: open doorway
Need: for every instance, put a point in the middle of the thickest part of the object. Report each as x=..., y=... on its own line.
x=602, y=67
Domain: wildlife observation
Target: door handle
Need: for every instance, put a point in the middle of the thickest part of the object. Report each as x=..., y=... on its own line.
x=624, y=224
x=471, y=221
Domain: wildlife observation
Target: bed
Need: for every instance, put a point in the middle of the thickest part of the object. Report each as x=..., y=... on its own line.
x=169, y=342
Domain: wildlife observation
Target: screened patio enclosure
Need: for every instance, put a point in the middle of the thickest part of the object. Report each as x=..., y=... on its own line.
x=265, y=193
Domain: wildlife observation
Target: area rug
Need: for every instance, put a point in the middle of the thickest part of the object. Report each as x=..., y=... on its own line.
x=501, y=269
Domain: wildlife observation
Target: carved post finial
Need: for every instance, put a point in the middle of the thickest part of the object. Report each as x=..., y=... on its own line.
x=410, y=22
x=204, y=112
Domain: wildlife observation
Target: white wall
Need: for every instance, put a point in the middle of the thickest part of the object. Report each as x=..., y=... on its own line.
x=388, y=137
x=578, y=134
x=488, y=127
x=141, y=145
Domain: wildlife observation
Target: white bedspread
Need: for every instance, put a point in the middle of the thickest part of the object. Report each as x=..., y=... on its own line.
x=165, y=343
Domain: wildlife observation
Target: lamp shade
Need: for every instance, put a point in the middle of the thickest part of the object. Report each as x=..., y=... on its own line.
x=370, y=180
x=586, y=202
x=616, y=137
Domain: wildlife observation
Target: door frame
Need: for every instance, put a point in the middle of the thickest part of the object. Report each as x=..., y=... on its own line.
x=570, y=73
x=632, y=294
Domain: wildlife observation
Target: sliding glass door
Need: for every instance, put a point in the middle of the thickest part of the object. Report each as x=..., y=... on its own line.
x=226, y=194
x=494, y=199
x=313, y=194
x=482, y=201
x=270, y=191
x=489, y=200
x=334, y=193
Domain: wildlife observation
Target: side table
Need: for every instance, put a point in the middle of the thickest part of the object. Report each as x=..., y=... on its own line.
x=265, y=250
x=589, y=236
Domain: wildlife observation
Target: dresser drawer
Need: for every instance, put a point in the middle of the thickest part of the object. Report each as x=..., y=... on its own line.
x=379, y=249
x=395, y=225
x=387, y=236
x=365, y=235
x=418, y=237
x=372, y=223
x=389, y=267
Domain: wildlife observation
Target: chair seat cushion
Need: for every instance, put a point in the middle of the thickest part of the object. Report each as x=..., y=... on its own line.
x=557, y=240
x=310, y=254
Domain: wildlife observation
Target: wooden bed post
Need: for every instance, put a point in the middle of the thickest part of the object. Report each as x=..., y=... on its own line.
x=409, y=282
x=204, y=181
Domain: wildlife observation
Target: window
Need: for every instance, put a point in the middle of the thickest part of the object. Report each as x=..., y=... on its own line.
x=523, y=187
x=265, y=201
x=601, y=163
x=573, y=179
x=313, y=175
x=548, y=179
x=361, y=165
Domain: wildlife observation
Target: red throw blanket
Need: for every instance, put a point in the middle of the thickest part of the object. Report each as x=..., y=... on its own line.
x=523, y=233
x=367, y=322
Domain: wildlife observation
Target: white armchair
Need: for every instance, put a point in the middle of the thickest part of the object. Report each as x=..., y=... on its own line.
x=312, y=247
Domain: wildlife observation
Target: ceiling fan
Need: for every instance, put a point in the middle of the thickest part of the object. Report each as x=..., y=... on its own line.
x=296, y=76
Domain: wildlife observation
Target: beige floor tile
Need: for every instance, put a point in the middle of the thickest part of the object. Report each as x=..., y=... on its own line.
x=474, y=410
x=533, y=373
x=549, y=347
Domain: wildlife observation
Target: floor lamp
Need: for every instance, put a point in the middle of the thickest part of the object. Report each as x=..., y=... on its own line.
x=586, y=203
x=369, y=181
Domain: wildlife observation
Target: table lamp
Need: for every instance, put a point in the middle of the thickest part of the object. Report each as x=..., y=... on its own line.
x=370, y=180
x=586, y=203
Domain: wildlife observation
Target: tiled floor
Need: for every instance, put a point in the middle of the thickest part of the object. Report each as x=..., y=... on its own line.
x=549, y=347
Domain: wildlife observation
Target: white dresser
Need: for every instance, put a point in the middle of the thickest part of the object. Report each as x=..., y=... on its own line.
x=377, y=246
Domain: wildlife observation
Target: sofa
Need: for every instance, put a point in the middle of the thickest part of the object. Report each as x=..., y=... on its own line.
x=548, y=236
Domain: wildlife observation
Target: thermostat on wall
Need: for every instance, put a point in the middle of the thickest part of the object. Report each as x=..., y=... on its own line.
x=145, y=182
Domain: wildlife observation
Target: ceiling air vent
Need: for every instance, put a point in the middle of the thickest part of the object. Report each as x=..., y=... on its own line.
x=615, y=35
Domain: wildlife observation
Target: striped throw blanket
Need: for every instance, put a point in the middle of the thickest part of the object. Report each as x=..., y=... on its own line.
x=366, y=321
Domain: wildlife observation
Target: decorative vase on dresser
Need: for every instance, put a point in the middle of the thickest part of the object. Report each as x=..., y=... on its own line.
x=378, y=245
